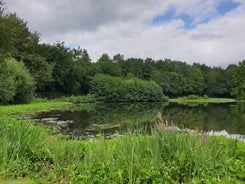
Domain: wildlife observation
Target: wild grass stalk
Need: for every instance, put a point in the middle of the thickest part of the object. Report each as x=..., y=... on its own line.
x=164, y=157
x=21, y=144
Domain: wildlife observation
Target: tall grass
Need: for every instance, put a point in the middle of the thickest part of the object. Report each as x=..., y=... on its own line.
x=21, y=144
x=163, y=157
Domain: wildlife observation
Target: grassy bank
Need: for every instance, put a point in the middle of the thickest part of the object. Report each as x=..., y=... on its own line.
x=197, y=99
x=31, y=108
x=31, y=153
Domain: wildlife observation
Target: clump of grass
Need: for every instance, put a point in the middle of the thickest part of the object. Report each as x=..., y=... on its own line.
x=21, y=144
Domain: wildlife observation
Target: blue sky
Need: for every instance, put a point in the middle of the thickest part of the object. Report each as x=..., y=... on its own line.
x=222, y=8
x=210, y=32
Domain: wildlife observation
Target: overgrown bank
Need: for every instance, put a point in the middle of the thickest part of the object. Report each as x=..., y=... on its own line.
x=166, y=156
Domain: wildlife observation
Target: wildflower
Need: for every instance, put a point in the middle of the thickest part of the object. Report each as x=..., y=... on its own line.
x=159, y=126
x=204, y=138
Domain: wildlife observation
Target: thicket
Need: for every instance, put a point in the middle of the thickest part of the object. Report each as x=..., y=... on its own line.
x=114, y=89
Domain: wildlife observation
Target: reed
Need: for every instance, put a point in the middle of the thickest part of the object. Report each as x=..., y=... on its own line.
x=164, y=157
x=21, y=144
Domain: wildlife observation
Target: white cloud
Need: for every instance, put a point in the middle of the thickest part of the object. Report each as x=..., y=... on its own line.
x=124, y=27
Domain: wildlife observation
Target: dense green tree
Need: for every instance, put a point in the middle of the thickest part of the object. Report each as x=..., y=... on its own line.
x=134, y=66
x=118, y=58
x=147, y=69
x=41, y=71
x=195, y=82
x=217, y=83
x=83, y=70
x=7, y=84
x=5, y=37
x=107, y=66
x=16, y=38
x=16, y=83
x=171, y=83
x=238, y=81
x=61, y=58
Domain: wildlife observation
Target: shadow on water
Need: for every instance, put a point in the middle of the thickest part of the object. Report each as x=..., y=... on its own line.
x=108, y=119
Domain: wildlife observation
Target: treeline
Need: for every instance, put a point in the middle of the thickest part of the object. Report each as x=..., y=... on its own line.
x=30, y=69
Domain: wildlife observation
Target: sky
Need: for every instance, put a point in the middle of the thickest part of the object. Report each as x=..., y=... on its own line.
x=209, y=32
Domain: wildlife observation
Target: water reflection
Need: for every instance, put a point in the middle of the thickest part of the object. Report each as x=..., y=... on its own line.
x=120, y=117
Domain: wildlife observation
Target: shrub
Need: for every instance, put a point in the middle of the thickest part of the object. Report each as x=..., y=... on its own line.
x=205, y=96
x=192, y=97
x=16, y=84
x=115, y=89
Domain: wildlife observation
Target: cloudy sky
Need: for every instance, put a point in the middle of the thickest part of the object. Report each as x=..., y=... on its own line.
x=204, y=31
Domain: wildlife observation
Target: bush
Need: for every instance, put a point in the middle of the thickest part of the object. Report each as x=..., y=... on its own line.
x=16, y=83
x=7, y=86
x=205, y=96
x=192, y=97
x=115, y=89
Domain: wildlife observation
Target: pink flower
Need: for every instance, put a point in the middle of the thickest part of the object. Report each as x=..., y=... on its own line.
x=204, y=139
x=159, y=127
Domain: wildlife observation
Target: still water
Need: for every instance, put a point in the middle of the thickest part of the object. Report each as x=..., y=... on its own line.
x=88, y=120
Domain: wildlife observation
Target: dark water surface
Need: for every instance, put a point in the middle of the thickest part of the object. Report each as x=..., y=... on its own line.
x=108, y=119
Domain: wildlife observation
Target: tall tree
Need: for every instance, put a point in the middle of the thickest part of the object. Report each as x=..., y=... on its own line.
x=238, y=81
x=107, y=66
x=217, y=83
x=41, y=71
x=195, y=82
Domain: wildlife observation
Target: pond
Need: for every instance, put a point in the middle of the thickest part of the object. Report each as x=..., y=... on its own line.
x=111, y=119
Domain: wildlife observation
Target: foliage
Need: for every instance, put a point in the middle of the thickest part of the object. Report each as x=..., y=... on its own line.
x=192, y=97
x=115, y=89
x=16, y=39
x=40, y=70
x=7, y=84
x=107, y=66
x=238, y=81
x=217, y=83
x=16, y=83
